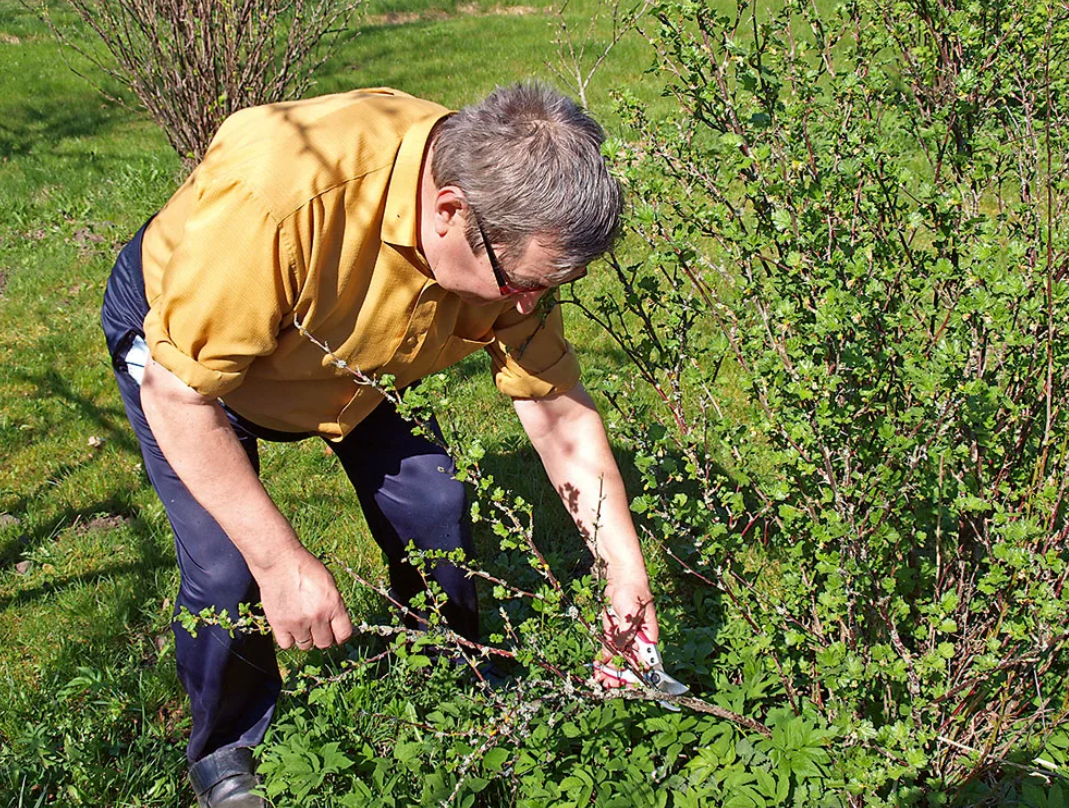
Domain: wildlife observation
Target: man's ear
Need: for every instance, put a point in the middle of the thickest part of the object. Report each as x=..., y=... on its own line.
x=448, y=203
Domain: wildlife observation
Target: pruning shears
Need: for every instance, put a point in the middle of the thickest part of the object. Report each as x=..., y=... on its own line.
x=652, y=673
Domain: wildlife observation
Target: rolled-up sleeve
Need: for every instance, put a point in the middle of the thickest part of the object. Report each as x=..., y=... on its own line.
x=530, y=356
x=225, y=290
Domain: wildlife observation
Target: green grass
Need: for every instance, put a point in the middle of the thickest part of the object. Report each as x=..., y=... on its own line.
x=93, y=714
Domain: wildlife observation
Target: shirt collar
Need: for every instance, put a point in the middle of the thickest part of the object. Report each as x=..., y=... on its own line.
x=400, y=220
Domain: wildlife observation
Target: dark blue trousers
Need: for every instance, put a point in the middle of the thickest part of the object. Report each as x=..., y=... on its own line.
x=404, y=484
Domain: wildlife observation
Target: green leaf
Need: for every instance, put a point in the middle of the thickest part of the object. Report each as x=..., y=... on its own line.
x=495, y=759
x=407, y=751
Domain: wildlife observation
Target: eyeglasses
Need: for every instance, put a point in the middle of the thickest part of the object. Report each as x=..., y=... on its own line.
x=504, y=285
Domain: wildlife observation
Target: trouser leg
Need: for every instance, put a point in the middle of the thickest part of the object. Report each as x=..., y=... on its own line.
x=232, y=682
x=408, y=494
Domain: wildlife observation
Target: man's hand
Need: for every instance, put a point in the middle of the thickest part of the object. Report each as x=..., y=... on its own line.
x=631, y=600
x=302, y=603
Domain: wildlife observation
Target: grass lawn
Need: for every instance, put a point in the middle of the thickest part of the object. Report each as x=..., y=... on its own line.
x=93, y=713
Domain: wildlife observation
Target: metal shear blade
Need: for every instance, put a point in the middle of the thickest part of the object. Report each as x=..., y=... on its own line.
x=653, y=673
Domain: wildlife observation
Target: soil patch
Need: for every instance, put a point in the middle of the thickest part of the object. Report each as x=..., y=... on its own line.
x=101, y=523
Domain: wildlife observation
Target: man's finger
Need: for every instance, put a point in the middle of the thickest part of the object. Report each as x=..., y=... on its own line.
x=283, y=638
x=606, y=680
x=321, y=635
x=612, y=677
x=342, y=627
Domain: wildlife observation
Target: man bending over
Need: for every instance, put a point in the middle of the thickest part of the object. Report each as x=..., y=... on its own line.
x=405, y=237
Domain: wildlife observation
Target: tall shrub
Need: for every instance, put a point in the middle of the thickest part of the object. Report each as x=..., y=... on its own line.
x=192, y=63
x=854, y=316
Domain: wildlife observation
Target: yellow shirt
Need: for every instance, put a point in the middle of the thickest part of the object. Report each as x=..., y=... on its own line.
x=308, y=209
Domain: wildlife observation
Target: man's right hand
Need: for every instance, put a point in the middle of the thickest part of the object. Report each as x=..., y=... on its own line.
x=302, y=603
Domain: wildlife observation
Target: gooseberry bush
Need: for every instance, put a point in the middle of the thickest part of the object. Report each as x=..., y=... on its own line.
x=843, y=305
x=419, y=720
x=849, y=329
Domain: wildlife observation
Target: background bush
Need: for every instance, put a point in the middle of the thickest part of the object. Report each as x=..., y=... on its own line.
x=191, y=63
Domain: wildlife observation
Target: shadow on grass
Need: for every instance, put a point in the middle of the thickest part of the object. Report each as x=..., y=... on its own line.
x=25, y=597
x=120, y=513
x=108, y=696
x=45, y=120
x=111, y=420
x=15, y=547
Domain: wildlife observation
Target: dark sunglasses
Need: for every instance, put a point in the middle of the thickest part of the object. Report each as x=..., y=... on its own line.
x=504, y=285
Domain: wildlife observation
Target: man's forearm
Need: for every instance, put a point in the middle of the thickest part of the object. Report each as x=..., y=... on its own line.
x=200, y=445
x=300, y=598
x=570, y=438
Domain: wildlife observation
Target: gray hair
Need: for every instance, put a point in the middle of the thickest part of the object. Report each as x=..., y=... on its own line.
x=528, y=160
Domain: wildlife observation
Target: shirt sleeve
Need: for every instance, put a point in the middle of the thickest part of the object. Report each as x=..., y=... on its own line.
x=530, y=356
x=225, y=290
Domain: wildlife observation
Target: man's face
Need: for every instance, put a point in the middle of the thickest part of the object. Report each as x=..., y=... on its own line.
x=470, y=276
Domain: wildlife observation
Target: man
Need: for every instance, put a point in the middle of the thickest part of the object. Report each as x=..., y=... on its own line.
x=406, y=238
